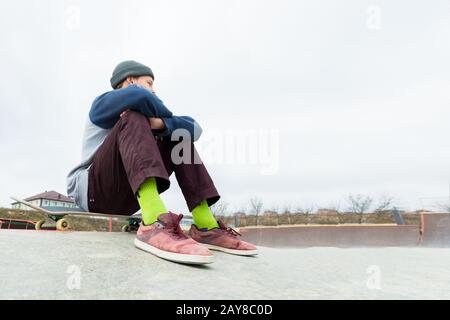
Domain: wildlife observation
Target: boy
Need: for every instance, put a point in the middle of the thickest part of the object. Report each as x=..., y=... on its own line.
x=126, y=164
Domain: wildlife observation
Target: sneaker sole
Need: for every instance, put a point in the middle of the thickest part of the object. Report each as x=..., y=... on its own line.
x=231, y=251
x=172, y=256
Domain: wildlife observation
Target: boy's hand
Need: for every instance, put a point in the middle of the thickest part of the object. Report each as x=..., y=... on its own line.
x=123, y=112
x=157, y=124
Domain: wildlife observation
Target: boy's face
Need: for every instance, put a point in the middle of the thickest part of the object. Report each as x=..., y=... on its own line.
x=142, y=81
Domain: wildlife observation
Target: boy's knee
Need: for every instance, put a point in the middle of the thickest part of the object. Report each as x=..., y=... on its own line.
x=134, y=117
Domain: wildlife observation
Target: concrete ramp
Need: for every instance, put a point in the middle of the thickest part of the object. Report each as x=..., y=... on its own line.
x=333, y=236
x=435, y=229
x=101, y=265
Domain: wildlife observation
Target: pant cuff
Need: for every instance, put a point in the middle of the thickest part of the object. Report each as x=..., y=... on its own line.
x=162, y=180
x=210, y=194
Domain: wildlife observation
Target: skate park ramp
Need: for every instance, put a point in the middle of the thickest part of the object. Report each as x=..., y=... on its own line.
x=434, y=230
x=413, y=264
x=102, y=265
x=333, y=236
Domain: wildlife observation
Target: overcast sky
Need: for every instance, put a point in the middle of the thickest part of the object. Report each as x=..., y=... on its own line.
x=349, y=96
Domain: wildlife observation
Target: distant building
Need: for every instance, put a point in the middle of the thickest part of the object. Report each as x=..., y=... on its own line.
x=270, y=213
x=327, y=212
x=49, y=200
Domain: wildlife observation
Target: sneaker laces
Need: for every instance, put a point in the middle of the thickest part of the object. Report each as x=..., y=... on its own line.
x=228, y=230
x=232, y=232
x=173, y=227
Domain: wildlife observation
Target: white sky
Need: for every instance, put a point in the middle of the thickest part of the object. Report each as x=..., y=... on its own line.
x=358, y=91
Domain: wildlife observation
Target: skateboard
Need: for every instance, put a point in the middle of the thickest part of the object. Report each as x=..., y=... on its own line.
x=63, y=224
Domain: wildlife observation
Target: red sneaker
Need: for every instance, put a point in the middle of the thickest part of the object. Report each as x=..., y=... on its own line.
x=223, y=239
x=165, y=239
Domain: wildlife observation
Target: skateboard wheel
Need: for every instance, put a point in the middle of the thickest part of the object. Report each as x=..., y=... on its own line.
x=126, y=228
x=38, y=225
x=62, y=225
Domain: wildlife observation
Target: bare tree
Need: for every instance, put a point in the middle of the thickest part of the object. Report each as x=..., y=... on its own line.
x=359, y=204
x=384, y=203
x=237, y=214
x=236, y=219
x=219, y=208
x=275, y=209
x=256, y=206
x=243, y=208
x=306, y=210
x=334, y=206
x=287, y=208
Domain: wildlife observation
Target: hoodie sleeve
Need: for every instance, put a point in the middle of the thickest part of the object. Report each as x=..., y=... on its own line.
x=182, y=122
x=106, y=109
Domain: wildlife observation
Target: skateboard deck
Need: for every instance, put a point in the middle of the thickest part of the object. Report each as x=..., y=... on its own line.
x=63, y=224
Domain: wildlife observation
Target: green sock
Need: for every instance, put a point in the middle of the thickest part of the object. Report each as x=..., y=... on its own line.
x=150, y=202
x=203, y=217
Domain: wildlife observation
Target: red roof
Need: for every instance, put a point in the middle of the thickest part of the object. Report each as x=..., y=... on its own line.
x=50, y=195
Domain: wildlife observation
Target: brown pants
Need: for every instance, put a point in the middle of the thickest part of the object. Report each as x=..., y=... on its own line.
x=128, y=156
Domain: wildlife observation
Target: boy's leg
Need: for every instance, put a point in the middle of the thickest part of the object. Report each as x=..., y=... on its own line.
x=125, y=160
x=129, y=163
x=200, y=192
x=194, y=180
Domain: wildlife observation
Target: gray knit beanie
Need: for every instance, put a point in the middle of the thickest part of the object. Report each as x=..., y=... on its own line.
x=129, y=68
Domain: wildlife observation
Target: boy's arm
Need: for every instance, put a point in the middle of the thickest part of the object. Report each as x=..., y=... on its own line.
x=107, y=108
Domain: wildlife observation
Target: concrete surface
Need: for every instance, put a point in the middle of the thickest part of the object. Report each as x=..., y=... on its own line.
x=91, y=265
